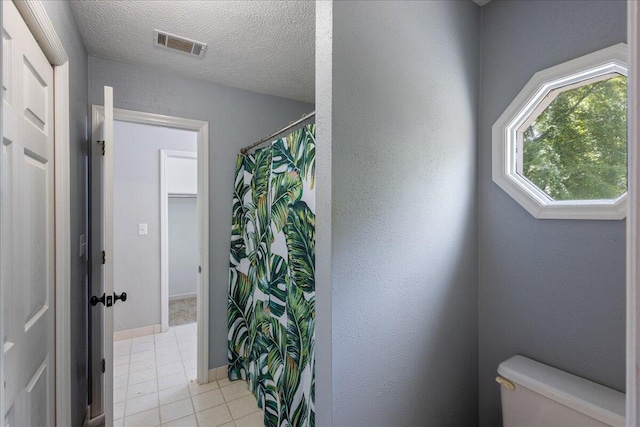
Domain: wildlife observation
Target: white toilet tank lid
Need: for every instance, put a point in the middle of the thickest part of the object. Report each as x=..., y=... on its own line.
x=587, y=397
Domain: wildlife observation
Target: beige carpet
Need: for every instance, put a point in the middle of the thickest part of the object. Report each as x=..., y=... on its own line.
x=182, y=311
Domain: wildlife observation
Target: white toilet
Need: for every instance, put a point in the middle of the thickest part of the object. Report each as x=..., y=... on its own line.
x=537, y=395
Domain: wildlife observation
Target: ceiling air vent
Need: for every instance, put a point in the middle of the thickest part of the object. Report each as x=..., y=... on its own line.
x=181, y=44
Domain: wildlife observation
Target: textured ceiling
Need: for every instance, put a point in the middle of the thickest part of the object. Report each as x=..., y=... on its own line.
x=264, y=46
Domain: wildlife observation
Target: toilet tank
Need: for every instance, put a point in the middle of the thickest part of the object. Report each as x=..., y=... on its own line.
x=536, y=395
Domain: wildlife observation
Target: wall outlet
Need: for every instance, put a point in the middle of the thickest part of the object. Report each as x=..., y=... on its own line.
x=142, y=229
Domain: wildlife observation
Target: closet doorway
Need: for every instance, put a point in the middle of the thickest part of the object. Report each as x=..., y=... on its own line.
x=178, y=237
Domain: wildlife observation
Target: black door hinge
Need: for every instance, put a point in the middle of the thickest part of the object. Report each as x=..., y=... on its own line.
x=101, y=143
x=199, y=269
x=104, y=366
x=104, y=257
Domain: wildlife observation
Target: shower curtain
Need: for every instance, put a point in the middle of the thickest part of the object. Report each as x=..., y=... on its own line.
x=271, y=312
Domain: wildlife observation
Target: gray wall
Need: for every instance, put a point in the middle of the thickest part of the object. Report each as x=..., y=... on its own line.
x=183, y=246
x=136, y=189
x=324, y=321
x=405, y=95
x=551, y=290
x=65, y=25
x=236, y=118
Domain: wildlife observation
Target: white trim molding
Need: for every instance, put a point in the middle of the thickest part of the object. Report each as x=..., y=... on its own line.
x=530, y=99
x=202, y=130
x=63, y=245
x=203, y=243
x=42, y=28
x=633, y=224
x=164, y=231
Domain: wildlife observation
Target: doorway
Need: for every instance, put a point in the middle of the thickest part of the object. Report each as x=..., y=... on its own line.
x=150, y=357
x=147, y=177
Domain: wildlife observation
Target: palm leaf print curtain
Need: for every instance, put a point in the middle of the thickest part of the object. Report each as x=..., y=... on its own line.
x=271, y=312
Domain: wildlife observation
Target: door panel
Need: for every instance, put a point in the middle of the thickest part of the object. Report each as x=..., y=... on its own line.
x=35, y=97
x=36, y=393
x=6, y=272
x=108, y=247
x=26, y=200
x=97, y=285
x=35, y=211
x=102, y=267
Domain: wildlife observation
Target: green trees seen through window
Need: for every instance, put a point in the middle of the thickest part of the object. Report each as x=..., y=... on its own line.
x=576, y=149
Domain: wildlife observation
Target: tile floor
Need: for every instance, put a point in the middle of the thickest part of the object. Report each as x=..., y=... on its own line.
x=154, y=385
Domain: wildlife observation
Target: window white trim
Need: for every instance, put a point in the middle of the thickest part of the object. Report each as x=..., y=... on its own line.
x=505, y=138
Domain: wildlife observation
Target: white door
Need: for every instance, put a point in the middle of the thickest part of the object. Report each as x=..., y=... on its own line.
x=27, y=263
x=107, y=191
x=103, y=297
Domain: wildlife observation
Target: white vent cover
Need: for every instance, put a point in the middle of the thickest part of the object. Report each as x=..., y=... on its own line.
x=177, y=43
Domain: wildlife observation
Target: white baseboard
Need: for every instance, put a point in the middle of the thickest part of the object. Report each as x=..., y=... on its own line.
x=137, y=332
x=218, y=373
x=183, y=296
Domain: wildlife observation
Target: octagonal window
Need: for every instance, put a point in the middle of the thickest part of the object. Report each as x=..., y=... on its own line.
x=560, y=148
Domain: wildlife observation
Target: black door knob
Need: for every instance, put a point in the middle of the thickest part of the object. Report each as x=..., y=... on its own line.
x=95, y=300
x=122, y=297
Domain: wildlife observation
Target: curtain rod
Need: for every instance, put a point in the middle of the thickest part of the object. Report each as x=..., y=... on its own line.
x=305, y=117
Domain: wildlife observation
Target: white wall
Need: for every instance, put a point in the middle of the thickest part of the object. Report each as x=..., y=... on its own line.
x=137, y=200
x=183, y=246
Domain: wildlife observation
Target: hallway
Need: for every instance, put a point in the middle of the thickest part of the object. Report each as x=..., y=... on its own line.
x=154, y=385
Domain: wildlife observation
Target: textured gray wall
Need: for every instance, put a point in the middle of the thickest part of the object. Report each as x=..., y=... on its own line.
x=551, y=290
x=65, y=25
x=405, y=95
x=236, y=118
x=136, y=200
x=183, y=245
x=324, y=90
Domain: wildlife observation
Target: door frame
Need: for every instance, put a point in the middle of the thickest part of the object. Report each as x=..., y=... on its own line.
x=164, y=231
x=202, y=130
x=40, y=25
